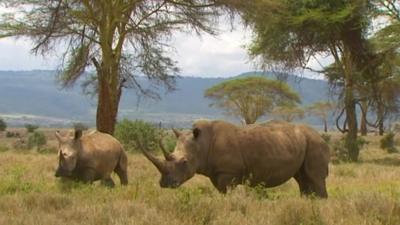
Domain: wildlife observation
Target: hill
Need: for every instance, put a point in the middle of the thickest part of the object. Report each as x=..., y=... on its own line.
x=35, y=97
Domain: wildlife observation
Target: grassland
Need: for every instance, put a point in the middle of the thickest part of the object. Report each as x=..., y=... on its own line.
x=367, y=192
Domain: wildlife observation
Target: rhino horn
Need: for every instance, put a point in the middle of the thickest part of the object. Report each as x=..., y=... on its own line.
x=160, y=165
x=167, y=155
x=58, y=136
x=176, y=132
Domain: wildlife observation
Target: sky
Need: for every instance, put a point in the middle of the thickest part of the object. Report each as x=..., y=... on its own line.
x=224, y=55
x=206, y=55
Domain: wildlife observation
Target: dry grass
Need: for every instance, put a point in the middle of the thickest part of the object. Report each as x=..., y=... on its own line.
x=360, y=193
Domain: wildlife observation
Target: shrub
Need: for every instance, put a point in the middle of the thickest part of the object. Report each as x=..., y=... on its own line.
x=340, y=152
x=31, y=128
x=80, y=126
x=387, y=143
x=10, y=134
x=3, y=125
x=37, y=139
x=326, y=137
x=133, y=133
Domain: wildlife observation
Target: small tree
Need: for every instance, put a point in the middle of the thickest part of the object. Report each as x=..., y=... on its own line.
x=288, y=113
x=321, y=110
x=37, y=139
x=132, y=134
x=252, y=97
x=31, y=128
x=80, y=126
x=3, y=125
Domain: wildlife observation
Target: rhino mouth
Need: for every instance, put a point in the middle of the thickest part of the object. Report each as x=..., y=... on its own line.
x=169, y=182
x=60, y=172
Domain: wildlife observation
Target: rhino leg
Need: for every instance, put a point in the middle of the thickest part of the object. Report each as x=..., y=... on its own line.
x=224, y=181
x=108, y=181
x=121, y=169
x=88, y=175
x=303, y=183
x=311, y=181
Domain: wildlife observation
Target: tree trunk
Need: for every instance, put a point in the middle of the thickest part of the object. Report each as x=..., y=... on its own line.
x=381, y=119
x=325, y=126
x=109, y=94
x=350, y=106
x=363, y=125
x=351, y=138
x=107, y=109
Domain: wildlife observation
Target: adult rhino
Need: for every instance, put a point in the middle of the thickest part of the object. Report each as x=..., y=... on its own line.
x=91, y=157
x=268, y=154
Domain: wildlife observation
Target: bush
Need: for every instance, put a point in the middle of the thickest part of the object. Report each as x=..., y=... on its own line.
x=326, y=137
x=133, y=133
x=340, y=152
x=387, y=143
x=37, y=139
x=10, y=134
x=31, y=128
x=3, y=125
x=80, y=126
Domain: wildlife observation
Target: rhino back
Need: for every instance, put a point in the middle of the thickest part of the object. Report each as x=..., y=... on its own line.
x=99, y=151
x=270, y=156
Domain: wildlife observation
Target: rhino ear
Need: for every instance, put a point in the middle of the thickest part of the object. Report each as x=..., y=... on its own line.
x=196, y=132
x=78, y=134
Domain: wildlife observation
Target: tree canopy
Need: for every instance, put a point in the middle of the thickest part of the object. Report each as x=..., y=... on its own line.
x=123, y=40
x=251, y=97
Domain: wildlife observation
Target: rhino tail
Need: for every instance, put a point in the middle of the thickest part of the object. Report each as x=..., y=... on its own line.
x=122, y=168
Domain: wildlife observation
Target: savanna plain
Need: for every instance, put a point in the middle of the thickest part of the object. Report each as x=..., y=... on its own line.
x=367, y=192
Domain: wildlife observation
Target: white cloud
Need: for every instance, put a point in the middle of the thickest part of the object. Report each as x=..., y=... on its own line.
x=207, y=55
x=16, y=55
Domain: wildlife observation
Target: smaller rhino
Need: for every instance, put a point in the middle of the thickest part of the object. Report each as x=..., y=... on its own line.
x=90, y=157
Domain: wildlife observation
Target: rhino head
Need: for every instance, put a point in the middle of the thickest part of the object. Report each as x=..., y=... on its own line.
x=68, y=153
x=187, y=158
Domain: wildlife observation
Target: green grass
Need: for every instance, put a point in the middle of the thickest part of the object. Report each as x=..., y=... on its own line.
x=367, y=192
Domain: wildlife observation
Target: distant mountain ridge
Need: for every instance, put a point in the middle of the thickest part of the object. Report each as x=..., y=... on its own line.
x=35, y=97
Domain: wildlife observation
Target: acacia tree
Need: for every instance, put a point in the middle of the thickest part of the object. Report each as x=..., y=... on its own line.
x=121, y=39
x=321, y=110
x=288, y=113
x=251, y=97
x=289, y=33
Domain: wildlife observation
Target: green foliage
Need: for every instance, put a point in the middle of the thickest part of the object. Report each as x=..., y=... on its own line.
x=3, y=125
x=132, y=134
x=326, y=137
x=30, y=128
x=36, y=140
x=387, y=143
x=288, y=113
x=251, y=97
x=10, y=134
x=80, y=126
x=341, y=153
x=13, y=182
